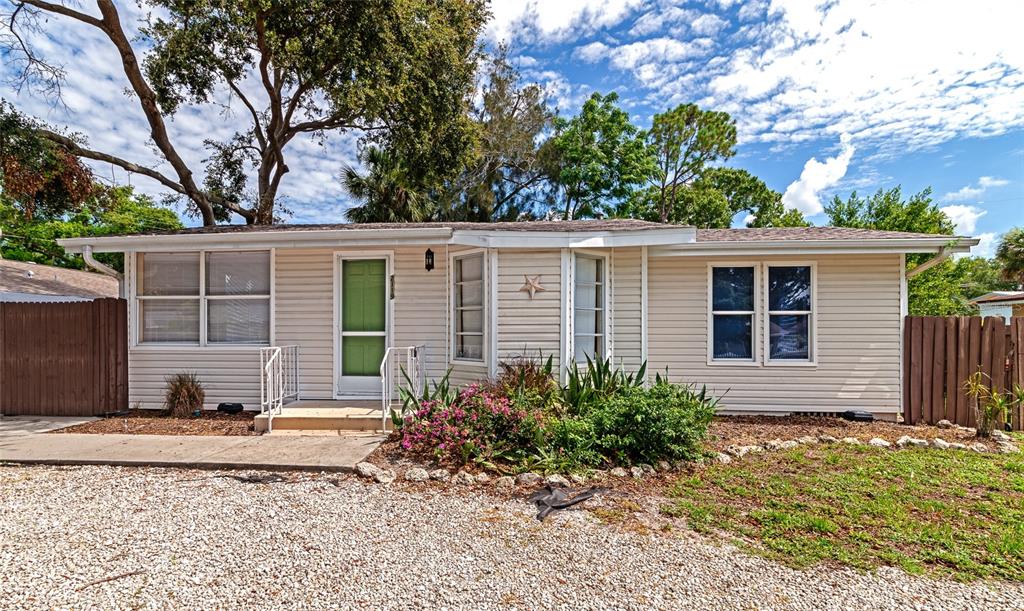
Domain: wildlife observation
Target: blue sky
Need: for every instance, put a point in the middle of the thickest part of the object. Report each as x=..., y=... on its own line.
x=829, y=97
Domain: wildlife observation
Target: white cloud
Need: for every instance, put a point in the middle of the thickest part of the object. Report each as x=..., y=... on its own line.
x=708, y=24
x=986, y=247
x=964, y=217
x=804, y=193
x=972, y=193
x=554, y=20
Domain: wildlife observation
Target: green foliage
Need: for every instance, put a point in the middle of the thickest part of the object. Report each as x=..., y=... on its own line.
x=1010, y=255
x=991, y=407
x=942, y=513
x=388, y=191
x=599, y=380
x=183, y=394
x=595, y=159
x=108, y=211
x=684, y=140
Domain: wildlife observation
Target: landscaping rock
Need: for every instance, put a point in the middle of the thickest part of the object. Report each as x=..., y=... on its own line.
x=576, y=478
x=440, y=475
x=619, y=472
x=505, y=482
x=384, y=476
x=853, y=441
x=723, y=458
x=647, y=469
x=663, y=466
x=827, y=439
x=907, y=440
x=737, y=451
x=957, y=446
x=464, y=479
x=599, y=475
x=940, y=443
x=755, y=450
x=528, y=479
x=1006, y=447
x=789, y=445
x=636, y=472
x=878, y=442
x=979, y=447
x=944, y=424
x=774, y=444
x=416, y=474
x=557, y=481
x=1000, y=435
x=482, y=478
x=807, y=440
x=367, y=470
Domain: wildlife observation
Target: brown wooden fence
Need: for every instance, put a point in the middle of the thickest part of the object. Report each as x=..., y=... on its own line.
x=941, y=352
x=64, y=359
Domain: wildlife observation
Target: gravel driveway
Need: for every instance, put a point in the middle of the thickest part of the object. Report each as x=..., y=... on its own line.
x=204, y=540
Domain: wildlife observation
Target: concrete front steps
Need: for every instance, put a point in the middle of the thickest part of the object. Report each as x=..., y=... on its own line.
x=319, y=417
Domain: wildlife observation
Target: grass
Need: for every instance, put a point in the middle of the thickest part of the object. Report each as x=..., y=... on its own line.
x=941, y=513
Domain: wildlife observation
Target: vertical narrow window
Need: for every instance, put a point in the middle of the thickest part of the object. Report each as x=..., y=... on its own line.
x=469, y=307
x=588, y=309
x=732, y=313
x=238, y=297
x=169, y=297
x=789, y=313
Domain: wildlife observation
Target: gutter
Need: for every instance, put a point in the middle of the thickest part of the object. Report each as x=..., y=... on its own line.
x=100, y=267
x=944, y=253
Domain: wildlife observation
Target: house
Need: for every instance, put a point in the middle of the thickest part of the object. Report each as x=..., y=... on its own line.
x=23, y=281
x=776, y=320
x=1000, y=303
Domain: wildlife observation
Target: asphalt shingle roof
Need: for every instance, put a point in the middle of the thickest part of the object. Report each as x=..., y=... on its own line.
x=37, y=279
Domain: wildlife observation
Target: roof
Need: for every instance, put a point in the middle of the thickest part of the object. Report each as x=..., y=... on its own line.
x=1000, y=297
x=772, y=234
x=36, y=279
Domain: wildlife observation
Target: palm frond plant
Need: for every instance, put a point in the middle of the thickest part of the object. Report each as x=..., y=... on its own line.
x=184, y=394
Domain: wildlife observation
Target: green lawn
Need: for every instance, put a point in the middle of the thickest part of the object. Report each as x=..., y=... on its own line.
x=928, y=511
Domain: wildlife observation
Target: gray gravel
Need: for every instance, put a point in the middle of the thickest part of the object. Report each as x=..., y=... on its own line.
x=327, y=541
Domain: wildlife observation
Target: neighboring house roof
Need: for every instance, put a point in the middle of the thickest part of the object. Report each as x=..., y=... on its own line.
x=1000, y=297
x=20, y=278
x=604, y=233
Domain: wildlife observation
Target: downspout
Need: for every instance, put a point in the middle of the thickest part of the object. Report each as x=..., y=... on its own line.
x=103, y=268
x=944, y=253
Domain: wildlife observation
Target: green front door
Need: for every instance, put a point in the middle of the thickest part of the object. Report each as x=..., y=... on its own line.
x=364, y=320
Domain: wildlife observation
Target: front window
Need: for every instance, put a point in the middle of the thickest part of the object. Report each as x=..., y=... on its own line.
x=789, y=313
x=588, y=309
x=469, y=307
x=732, y=313
x=230, y=288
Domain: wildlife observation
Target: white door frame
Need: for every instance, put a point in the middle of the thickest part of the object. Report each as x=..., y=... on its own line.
x=371, y=389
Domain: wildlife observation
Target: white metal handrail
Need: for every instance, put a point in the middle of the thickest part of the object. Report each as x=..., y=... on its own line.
x=279, y=379
x=413, y=369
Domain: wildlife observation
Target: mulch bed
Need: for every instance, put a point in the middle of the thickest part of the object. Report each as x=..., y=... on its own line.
x=753, y=430
x=156, y=422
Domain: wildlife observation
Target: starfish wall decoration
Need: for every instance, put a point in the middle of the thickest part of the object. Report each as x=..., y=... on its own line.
x=532, y=285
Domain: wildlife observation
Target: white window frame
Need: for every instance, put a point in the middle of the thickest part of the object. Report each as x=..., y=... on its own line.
x=606, y=344
x=202, y=298
x=755, y=330
x=812, y=314
x=485, y=307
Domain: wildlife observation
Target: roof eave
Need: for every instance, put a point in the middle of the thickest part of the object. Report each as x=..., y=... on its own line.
x=810, y=247
x=574, y=239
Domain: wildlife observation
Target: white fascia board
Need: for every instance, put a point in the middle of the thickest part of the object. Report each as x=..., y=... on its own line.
x=260, y=239
x=574, y=239
x=816, y=247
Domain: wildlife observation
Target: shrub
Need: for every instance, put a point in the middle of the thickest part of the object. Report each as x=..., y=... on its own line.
x=184, y=394
x=664, y=422
x=529, y=379
x=598, y=381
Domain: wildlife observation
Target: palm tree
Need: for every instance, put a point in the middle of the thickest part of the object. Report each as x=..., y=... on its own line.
x=387, y=191
x=1010, y=255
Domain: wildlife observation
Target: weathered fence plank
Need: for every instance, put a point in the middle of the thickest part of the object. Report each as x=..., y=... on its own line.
x=63, y=359
x=940, y=353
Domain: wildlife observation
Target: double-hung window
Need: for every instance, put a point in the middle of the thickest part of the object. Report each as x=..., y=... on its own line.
x=733, y=313
x=468, y=277
x=789, y=313
x=229, y=291
x=589, y=309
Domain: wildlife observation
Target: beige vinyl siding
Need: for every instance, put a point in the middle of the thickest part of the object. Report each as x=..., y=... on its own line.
x=858, y=341
x=627, y=308
x=228, y=375
x=529, y=326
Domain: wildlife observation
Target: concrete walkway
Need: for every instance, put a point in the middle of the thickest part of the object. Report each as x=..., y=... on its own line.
x=312, y=453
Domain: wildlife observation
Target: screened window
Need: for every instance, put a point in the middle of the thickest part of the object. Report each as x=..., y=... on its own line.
x=732, y=313
x=469, y=307
x=789, y=313
x=588, y=309
x=176, y=290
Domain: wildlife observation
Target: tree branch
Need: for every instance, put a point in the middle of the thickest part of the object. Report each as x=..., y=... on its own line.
x=60, y=9
x=258, y=127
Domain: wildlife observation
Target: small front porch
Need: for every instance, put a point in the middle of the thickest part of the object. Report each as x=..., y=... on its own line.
x=324, y=415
